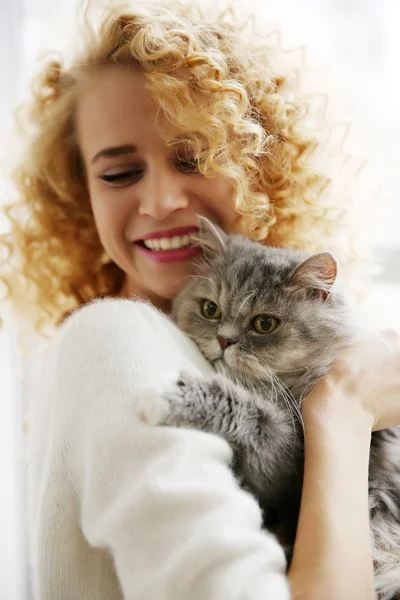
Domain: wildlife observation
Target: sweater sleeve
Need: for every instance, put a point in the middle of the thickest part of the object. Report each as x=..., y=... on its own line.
x=160, y=503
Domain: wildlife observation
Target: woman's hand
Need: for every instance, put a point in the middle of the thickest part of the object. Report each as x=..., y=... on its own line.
x=364, y=382
x=360, y=393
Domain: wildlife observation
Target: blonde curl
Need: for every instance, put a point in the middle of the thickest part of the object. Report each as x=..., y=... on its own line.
x=216, y=85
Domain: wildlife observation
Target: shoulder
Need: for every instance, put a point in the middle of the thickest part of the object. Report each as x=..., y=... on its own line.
x=121, y=335
x=110, y=312
x=105, y=322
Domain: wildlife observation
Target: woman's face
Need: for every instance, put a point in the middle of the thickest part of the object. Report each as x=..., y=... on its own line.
x=144, y=196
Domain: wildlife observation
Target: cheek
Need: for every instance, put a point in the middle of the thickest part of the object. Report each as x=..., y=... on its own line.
x=263, y=352
x=217, y=203
x=287, y=352
x=111, y=211
x=203, y=333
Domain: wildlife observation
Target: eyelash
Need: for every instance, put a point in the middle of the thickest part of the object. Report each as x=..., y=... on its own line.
x=119, y=177
x=189, y=165
x=187, y=168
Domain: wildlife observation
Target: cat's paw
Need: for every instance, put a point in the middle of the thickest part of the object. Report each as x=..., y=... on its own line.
x=153, y=404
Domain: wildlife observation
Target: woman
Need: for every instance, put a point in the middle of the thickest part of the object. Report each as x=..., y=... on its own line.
x=160, y=118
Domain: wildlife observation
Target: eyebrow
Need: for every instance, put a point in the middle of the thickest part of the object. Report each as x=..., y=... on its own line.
x=115, y=151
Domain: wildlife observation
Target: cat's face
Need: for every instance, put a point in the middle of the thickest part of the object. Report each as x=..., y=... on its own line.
x=250, y=310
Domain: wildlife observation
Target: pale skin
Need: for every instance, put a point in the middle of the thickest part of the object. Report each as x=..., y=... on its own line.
x=158, y=191
x=359, y=395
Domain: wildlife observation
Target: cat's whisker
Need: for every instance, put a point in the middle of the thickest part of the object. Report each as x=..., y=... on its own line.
x=287, y=396
x=317, y=359
x=196, y=277
x=243, y=303
x=246, y=292
x=263, y=372
x=268, y=441
x=291, y=399
x=274, y=385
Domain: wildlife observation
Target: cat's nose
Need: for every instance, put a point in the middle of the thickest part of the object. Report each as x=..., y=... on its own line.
x=225, y=342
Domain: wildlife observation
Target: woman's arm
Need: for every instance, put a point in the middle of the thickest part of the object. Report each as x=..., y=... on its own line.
x=332, y=554
x=333, y=549
x=122, y=510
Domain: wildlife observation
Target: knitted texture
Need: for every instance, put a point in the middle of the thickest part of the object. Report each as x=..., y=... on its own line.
x=119, y=509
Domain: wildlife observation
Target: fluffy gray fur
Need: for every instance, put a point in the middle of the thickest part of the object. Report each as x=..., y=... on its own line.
x=254, y=399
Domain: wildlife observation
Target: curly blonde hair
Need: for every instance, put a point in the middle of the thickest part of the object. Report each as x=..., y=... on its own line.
x=217, y=85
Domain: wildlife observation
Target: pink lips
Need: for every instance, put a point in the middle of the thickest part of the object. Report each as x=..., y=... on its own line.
x=168, y=233
x=168, y=256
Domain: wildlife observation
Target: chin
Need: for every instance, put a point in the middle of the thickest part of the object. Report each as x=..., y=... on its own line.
x=230, y=359
x=165, y=288
x=170, y=284
x=168, y=292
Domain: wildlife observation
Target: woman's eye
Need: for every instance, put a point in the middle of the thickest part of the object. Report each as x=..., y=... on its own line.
x=122, y=177
x=210, y=310
x=265, y=324
x=186, y=165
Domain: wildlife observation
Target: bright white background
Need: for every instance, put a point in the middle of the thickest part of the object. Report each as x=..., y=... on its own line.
x=359, y=39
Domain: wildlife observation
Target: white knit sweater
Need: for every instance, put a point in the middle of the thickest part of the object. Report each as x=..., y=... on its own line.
x=119, y=509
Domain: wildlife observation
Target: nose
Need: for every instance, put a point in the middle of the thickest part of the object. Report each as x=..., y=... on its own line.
x=162, y=192
x=225, y=342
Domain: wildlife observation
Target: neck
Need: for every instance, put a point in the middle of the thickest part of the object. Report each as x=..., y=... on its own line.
x=134, y=293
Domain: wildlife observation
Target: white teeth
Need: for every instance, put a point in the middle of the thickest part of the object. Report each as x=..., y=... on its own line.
x=178, y=241
x=164, y=243
x=175, y=242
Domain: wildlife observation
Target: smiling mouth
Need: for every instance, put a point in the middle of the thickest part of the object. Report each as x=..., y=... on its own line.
x=172, y=245
x=170, y=239
x=167, y=243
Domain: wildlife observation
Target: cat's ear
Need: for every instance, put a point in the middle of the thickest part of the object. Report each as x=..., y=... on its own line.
x=316, y=274
x=211, y=238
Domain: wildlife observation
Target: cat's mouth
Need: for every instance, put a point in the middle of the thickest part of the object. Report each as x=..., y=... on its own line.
x=220, y=366
x=222, y=357
x=226, y=361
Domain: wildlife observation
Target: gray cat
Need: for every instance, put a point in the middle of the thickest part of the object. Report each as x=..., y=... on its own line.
x=271, y=321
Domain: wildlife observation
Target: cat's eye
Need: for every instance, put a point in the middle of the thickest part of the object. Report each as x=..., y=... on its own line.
x=210, y=310
x=265, y=324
